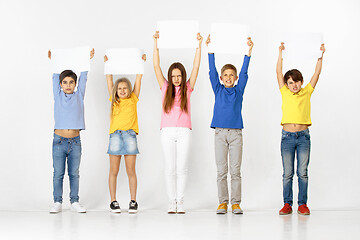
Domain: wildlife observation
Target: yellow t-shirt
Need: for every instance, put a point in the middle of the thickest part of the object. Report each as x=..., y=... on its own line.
x=296, y=106
x=124, y=116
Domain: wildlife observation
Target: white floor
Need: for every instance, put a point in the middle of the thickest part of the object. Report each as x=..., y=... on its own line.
x=153, y=224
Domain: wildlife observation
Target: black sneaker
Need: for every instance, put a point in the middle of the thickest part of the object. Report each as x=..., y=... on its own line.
x=115, y=207
x=133, y=206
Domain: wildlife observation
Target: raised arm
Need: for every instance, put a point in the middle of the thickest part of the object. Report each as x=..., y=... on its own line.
x=243, y=75
x=279, y=74
x=214, y=76
x=196, y=65
x=156, y=60
x=137, y=84
x=318, y=67
x=109, y=79
x=83, y=77
x=56, y=81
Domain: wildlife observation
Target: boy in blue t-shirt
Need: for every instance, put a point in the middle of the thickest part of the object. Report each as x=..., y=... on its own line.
x=69, y=121
x=228, y=124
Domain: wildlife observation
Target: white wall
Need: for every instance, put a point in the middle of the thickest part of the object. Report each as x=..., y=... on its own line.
x=30, y=28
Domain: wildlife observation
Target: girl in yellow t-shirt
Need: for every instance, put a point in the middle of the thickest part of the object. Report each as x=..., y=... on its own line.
x=123, y=131
x=295, y=138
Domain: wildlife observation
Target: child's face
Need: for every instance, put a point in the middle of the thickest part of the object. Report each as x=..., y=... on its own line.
x=68, y=85
x=176, y=77
x=293, y=86
x=123, y=90
x=228, y=77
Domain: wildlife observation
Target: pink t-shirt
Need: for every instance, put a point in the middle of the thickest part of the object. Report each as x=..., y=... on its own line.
x=176, y=117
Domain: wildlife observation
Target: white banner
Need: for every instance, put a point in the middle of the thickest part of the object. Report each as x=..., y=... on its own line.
x=124, y=61
x=302, y=46
x=178, y=34
x=76, y=59
x=229, y=38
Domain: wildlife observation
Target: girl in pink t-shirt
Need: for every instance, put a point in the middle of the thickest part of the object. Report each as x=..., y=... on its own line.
x=176, y=123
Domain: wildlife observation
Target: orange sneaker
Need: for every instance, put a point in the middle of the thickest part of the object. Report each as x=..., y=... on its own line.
x=236, y=209
x=286, y=209
x=222, y=208
x=303, y=210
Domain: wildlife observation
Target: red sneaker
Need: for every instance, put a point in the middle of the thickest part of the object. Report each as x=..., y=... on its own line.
x=303, y=210
x=286, y=209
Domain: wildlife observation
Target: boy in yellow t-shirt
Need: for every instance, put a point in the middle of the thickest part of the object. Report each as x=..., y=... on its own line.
x=295, y=134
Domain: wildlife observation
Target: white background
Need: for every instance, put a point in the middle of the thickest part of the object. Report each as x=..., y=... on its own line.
x=30, y=28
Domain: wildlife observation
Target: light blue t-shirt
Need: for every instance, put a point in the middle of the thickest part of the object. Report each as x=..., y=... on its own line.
x=69, y=108
x=228, y=101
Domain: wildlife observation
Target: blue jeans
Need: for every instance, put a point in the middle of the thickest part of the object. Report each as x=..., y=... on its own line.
x=299, y=143
x=70, y=149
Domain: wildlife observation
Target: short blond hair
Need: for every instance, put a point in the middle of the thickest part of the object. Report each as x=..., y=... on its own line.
x=228, y=66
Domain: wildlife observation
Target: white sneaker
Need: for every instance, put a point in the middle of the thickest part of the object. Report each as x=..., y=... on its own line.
x=180, y=208
x=76, y=207
x=172, y=207
x=57, y=207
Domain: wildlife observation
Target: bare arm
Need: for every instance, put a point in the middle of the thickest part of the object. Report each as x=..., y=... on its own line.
x=279, y=74
x=156, y=60
x=196, y=65
x=318, y=67
x=109, y=79
x=137, y=85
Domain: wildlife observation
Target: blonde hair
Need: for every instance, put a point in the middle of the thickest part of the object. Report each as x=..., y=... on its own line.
x=114, y=96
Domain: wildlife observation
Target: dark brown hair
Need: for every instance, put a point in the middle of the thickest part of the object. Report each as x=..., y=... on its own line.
x=67, y=73
x=295, y=75
x=170, y=92
x=228, y=66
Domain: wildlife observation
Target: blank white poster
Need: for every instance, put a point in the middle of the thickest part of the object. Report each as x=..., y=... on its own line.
x=302, y=46
x=76, y=59
x=124, y=61
x=178, y=34
x=229, y=38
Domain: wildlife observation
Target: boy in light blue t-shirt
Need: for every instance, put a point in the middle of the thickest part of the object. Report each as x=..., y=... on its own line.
x=69, y=121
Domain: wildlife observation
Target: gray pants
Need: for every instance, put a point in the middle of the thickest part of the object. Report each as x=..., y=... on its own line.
x=228, y=142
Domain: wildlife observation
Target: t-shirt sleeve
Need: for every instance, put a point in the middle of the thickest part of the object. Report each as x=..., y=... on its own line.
x=283, y=89
x=189, y=89
x=243, y=75
x=309, y=88
x=134, y=97
x=56, y=85
x=164, y=86
x=82, y=83
x=213, y=74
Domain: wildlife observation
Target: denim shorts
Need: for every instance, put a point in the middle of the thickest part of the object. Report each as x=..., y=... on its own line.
x=123, y=143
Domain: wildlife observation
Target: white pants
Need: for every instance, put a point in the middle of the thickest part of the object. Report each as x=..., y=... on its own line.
x=175, y=142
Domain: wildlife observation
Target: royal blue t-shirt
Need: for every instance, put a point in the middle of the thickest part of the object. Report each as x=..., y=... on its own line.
x=228, y=101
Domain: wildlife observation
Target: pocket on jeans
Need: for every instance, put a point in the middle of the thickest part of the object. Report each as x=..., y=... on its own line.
x=57, y=142
x=307, y=136
x=77, y=142
x=132, y=133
